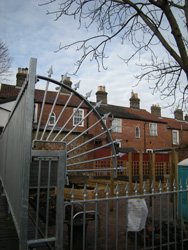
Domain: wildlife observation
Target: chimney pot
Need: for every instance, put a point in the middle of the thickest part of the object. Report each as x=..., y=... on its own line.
x=101, y=94
x=156, y=110
x=134, y=101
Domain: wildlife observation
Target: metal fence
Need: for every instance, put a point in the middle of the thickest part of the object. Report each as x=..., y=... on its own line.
x=96, y=220
x=15, y=148
x=153, y=220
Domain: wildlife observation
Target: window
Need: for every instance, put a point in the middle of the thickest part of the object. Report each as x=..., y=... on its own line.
x=35, y=112
x=52, y=119
x=153, y=129
x=78, y=116
x=137, y=132
x=117, y=124
x=118, y=144
x=175, y=137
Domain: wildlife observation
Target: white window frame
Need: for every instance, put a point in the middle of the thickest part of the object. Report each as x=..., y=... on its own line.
x=53, y=116
x=118, y=144
x=175, y=141
x=35, y=112
x=137, y=130
x=79, y=118
x=118, y=127
x=152, y=130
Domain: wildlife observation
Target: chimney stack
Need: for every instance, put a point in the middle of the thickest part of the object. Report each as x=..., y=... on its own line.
x=20, y=76
x=66, y=82
x=101, y=94
x=186, y=118
x=178, y=114
x=156, y=110
x=134, y=101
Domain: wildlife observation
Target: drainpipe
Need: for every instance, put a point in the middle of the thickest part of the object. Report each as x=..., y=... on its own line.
x=145, y=137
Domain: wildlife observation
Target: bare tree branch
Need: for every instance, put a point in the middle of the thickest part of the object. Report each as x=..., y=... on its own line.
x=143, y=23
x=5, y=62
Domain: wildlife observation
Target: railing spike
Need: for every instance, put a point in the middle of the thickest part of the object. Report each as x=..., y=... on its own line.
x=118, y=140
x=174, y=184
x=180, y=184
x=136, y=188
x=65, y=76
x=98, y=104
x=160, y=186
x=106, y=116
x=152, y=187
x=107, y=190
x=117, y=189
x=88, y=94
x=127, y=189
x=72, y=192
x=77, y=85
x=144, y=187
x=121, y=154
x=96, y=190
x=167, y=185
x=50, y=71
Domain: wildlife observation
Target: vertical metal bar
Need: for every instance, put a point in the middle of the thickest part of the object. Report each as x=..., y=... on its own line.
x=153, y=210
x=117, y=217
x=38, y=200
x=144, y=192
x=168, y=216
x=84, y=216
x=181, y=209
x=71, y=226
x=126, y=217
x=160, y=208
x=72, y=214
x=106, y=220
x=175, y=214
x=117, y=220
x=48, y=197
x=135, y=243
x=61, y=177
x=28, y=119
x=96, y=224
x=96, y=218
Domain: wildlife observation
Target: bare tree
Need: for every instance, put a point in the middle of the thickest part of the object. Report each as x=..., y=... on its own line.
x=5, y=62
x=143, y=23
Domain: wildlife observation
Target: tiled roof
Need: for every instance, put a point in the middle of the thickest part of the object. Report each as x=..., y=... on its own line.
x=128, y=113
x=7, y=91
x=176, y=124
x=62, y=99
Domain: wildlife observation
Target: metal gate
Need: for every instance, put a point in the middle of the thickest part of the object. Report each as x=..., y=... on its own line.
x=54, y=139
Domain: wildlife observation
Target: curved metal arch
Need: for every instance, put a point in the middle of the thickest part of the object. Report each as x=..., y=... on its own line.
x=91, y=107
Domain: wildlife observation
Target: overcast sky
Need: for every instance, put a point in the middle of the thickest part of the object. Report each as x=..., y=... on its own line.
x=29, y=32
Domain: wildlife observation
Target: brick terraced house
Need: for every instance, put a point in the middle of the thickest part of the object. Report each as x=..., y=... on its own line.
x=139, y=129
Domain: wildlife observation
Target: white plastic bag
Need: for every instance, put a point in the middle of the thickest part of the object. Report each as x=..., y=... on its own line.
x=137, y=214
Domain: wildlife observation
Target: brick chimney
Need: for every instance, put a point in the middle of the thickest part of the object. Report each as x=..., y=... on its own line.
x=134, y=101
x=20, y=76
x=156, y=110
x=101, y=94
x=66, y=82
x=178, y=114
x=186, y=118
